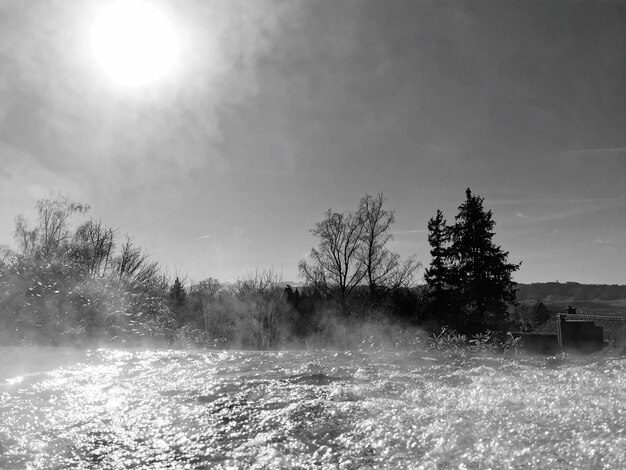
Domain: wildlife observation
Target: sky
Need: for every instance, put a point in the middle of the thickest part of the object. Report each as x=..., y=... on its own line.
x=279, y=110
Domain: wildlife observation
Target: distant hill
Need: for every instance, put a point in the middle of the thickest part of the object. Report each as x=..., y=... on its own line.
x=590, y=297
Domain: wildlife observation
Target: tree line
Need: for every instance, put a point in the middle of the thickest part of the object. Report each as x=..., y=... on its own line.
x=92, y=283
x=572, y=291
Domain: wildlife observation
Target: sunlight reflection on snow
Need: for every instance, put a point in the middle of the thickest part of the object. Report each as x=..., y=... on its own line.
x=15, y=380
x=178, y=409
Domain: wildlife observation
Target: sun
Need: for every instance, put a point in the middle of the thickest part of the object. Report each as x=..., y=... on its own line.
x=134, y=42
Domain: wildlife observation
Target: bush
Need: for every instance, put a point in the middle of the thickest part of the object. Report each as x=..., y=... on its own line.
x=264, y=318
x=449, y=339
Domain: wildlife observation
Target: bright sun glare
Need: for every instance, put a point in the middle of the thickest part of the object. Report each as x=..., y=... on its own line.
x=134, y=42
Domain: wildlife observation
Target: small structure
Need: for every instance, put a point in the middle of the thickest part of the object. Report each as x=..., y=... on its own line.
x=571, y=331
x=577, y=333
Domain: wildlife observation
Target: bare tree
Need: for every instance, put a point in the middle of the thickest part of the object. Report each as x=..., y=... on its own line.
x=383, y=268
x=262, y=281
x=263, y=314
x=335, y=267
x=134, y=267
x=208, y=288
x=92, y=247
x=54, y=216
x=25, y=236
x=205, y=293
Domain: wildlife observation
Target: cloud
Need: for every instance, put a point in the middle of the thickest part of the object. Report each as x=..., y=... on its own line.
x=555, y=209
x=402, y=232
x=606, y=244
x=203, y=237
x=596, y=199
x=511, y=201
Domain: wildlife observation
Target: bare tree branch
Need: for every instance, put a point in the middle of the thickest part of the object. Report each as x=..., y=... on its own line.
x=334, y=267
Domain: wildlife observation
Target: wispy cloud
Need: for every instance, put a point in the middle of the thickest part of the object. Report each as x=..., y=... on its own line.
x=597, y=199
x=574, y=208
x=517, y=201
x=606, y=244
x=402, y=232
x=544, y=218
x=550, y=200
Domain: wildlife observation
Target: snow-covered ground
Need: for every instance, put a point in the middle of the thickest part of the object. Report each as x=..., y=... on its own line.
x=151, y=409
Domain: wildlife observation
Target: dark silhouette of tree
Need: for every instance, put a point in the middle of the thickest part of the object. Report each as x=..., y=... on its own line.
x=353, y=261
x=177, y=297
x=292, y=297
x=288, y=294
x=336, y=267
x=437, y=275
x=540, y=313
x=480, y=272
x=177, y=293
x=469, y=277
x=383, y=268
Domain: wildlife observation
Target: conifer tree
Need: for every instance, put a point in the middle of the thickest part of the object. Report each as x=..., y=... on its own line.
x=437, y=275
x=178, y=296
x=177, y=293
x=540, y=313
x=481, y=271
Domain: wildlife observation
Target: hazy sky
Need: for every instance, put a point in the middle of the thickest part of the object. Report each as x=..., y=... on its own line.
x=280, y=110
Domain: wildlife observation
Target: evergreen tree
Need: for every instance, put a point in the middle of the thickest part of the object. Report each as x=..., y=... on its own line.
x=177, y=297
x=177, y=293
x=437, y=275
x=481, y=274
